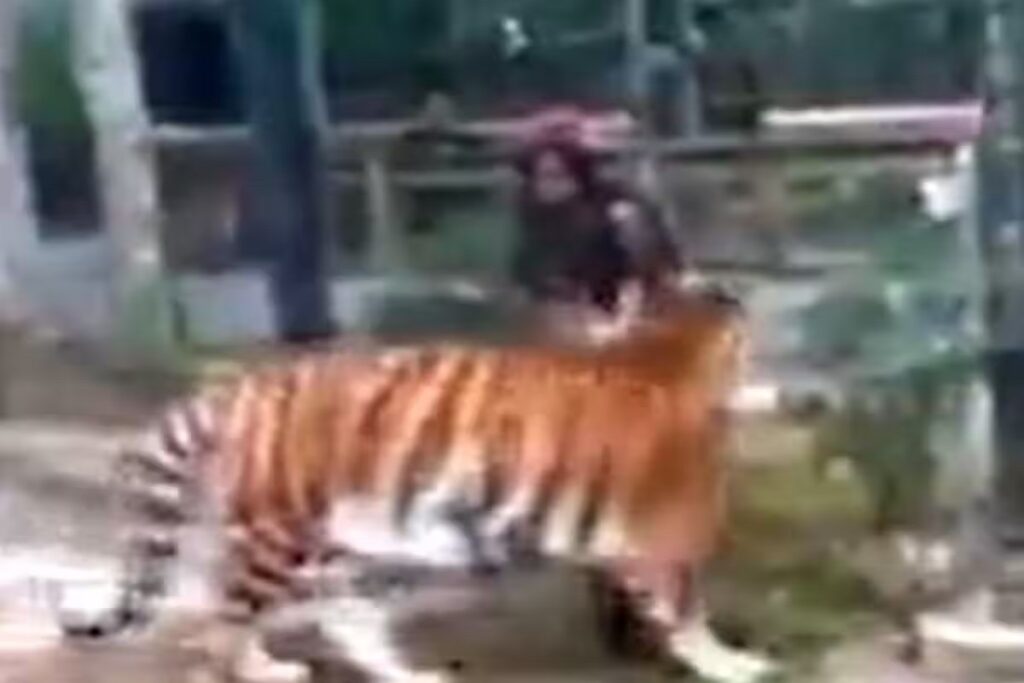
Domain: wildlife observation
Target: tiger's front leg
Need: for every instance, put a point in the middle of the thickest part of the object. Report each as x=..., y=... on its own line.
x=260, y=575
x=669, y=599
x=236, y=653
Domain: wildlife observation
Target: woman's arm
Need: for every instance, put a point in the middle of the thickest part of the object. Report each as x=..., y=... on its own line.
x=643, y=234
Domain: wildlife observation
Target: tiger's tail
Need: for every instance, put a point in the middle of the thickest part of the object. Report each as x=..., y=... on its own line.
x=155, y=482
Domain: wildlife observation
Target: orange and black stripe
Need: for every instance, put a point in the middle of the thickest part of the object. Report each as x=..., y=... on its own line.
x=580, y=452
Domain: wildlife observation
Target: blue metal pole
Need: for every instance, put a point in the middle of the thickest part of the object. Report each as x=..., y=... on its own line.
x=278, y=68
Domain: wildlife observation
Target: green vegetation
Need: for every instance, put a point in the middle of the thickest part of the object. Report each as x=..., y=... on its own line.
x=45, y=86
x=808, y=52
x=787, y=582
x=896, y=332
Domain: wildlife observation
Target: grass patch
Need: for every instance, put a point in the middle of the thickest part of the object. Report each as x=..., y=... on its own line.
x=786, y=582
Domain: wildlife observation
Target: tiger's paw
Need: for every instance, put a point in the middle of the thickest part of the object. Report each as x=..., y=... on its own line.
x=426, y=677
x=233, y=653
x=702, y=652
x=733, y=667
x=741, y=667
x=256, y=665
x=273, y=672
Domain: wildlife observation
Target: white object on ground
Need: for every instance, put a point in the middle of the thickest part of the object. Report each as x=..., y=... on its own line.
x=37, y=583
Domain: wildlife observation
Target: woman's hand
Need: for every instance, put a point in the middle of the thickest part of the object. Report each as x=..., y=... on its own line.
x=628, y=220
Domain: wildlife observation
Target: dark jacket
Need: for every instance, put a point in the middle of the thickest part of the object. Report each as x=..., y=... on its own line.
x=579, y=251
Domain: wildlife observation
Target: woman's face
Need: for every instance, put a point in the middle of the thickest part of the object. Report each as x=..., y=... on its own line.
x=552, y=181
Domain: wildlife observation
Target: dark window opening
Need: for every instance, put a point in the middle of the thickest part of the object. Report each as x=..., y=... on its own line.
x=60, y=154
x=62, y=172
x=187, y=64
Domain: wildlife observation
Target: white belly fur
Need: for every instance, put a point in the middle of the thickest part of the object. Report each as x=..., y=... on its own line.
x=364, y=526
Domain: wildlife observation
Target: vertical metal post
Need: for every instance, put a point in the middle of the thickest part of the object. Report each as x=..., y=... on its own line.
x=637, y=85
x=968, y=459
x=385, y=241
x=1001, y=210
x=988, y=462
x=690, y=109
x=279, y=63
x=1003, y=207
x=635, y=28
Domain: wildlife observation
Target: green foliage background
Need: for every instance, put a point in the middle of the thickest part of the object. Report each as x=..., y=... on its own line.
x=808, y=51
x=896, y=333
x=47, y=95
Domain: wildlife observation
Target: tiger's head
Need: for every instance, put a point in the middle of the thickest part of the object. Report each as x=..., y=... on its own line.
x=688, y=291
x=685, y=329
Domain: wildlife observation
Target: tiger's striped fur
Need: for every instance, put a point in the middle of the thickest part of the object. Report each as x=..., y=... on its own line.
x=604, y=456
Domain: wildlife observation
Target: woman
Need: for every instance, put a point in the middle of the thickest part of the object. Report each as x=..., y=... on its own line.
x=582, y=237
x=583, y=240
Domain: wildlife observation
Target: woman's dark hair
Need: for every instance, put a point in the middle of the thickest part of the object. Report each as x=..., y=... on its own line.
x=579, y=162
x=578, y=241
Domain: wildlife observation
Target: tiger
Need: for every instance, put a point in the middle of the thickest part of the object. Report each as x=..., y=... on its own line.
x=471, y=457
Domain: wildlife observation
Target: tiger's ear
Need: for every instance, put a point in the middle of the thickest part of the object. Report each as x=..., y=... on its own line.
x=694, y=284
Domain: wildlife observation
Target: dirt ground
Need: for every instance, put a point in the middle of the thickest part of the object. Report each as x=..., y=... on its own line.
x=538, y=628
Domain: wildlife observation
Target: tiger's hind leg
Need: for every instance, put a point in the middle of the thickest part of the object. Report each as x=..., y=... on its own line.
x=363, y=630
x=262, y=574
x=669, y=599
x=273, y=574
x=355, y=623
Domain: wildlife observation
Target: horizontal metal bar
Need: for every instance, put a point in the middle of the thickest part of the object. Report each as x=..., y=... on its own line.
x=895, y=140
